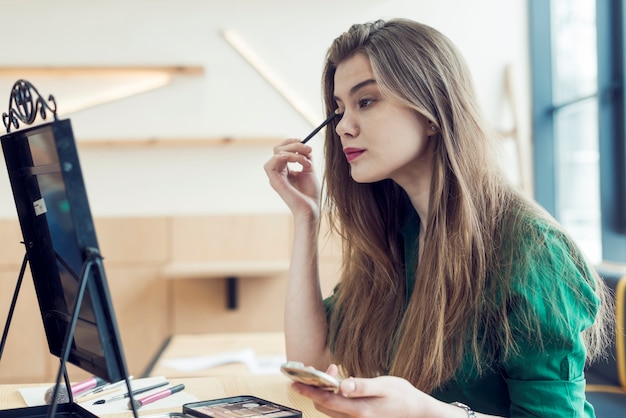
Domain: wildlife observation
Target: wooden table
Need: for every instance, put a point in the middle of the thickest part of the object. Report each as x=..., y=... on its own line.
x=275, y=388
x=197, y=345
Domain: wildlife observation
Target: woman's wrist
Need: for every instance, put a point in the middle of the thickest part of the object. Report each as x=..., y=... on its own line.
x=307, y=216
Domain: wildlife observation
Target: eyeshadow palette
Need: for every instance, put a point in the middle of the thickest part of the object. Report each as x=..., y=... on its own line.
x=239, y=406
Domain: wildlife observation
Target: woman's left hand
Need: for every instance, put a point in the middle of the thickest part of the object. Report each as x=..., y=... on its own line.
x=384, y=396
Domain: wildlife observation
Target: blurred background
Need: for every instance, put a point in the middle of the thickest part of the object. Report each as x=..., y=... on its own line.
x=249, y=71
x=176, y=105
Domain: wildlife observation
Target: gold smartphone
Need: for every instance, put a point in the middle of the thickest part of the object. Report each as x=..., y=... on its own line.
x=298, y=372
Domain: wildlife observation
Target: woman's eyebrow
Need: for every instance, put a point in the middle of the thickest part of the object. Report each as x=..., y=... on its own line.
x=357, y=87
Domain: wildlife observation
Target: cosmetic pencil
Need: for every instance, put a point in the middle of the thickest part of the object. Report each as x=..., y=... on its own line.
x=316, y=130
x=156, y=396
x=134, y=392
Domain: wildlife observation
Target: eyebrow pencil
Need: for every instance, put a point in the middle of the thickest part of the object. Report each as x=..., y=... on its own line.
x=316, y=130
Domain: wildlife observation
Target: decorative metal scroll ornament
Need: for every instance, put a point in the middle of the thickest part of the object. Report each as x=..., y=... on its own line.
x=25, y=103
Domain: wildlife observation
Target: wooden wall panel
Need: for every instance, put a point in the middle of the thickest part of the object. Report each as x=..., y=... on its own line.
x=134, y=241
x=11, y=247
x=26, y=353
x=140, y=301
x=199, y=306
x=148, y=307
x=230, y=237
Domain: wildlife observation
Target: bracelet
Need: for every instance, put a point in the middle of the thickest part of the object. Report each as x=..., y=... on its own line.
x=470, y=411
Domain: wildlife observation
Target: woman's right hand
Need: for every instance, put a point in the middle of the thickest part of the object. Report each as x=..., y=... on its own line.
x=298, y=188
x=305, y=318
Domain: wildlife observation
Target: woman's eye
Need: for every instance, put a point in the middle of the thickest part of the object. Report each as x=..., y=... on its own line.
x=365, y=102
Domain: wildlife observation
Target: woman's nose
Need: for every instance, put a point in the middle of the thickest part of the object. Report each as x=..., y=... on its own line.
x=347, y=126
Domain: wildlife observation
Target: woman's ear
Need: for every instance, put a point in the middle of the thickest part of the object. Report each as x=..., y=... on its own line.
x=432, y=129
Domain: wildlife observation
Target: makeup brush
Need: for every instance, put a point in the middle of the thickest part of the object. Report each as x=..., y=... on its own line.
x=316, y=130
x=77, y=388
x=134, y=392
x=155, y=397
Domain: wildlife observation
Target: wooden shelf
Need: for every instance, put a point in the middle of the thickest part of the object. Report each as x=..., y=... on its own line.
x=97, y=71
x=177, y=142
x=220, y=269
x=82, y=87
x=229, y=270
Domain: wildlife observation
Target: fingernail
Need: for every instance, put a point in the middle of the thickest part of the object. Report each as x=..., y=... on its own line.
x=348, y=387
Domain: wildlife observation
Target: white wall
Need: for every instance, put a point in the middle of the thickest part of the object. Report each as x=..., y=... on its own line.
x=231, y=100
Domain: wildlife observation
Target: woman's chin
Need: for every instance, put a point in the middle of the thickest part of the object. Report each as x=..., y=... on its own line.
x=364, y=179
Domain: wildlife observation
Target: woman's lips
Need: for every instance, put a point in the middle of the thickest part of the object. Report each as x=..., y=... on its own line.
x=353, y=153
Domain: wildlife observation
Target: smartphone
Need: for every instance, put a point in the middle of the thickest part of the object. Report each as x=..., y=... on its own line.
x=239, y=406
x=297, y=372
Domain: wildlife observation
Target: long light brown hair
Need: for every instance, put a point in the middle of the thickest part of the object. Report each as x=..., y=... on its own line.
x=471, y=249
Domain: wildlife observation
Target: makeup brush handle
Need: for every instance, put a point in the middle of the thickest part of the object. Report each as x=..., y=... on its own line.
x=162, y=394
x=90, y=383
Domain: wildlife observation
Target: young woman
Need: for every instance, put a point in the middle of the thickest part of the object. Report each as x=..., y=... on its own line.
x=454, y=286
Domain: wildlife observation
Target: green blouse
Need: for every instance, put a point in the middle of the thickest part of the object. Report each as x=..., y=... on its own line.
x=543, y=381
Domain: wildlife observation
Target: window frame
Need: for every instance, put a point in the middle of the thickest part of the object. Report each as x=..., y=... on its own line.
x=611, y=124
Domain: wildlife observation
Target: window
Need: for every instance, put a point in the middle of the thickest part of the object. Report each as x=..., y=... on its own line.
x=577, y=119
